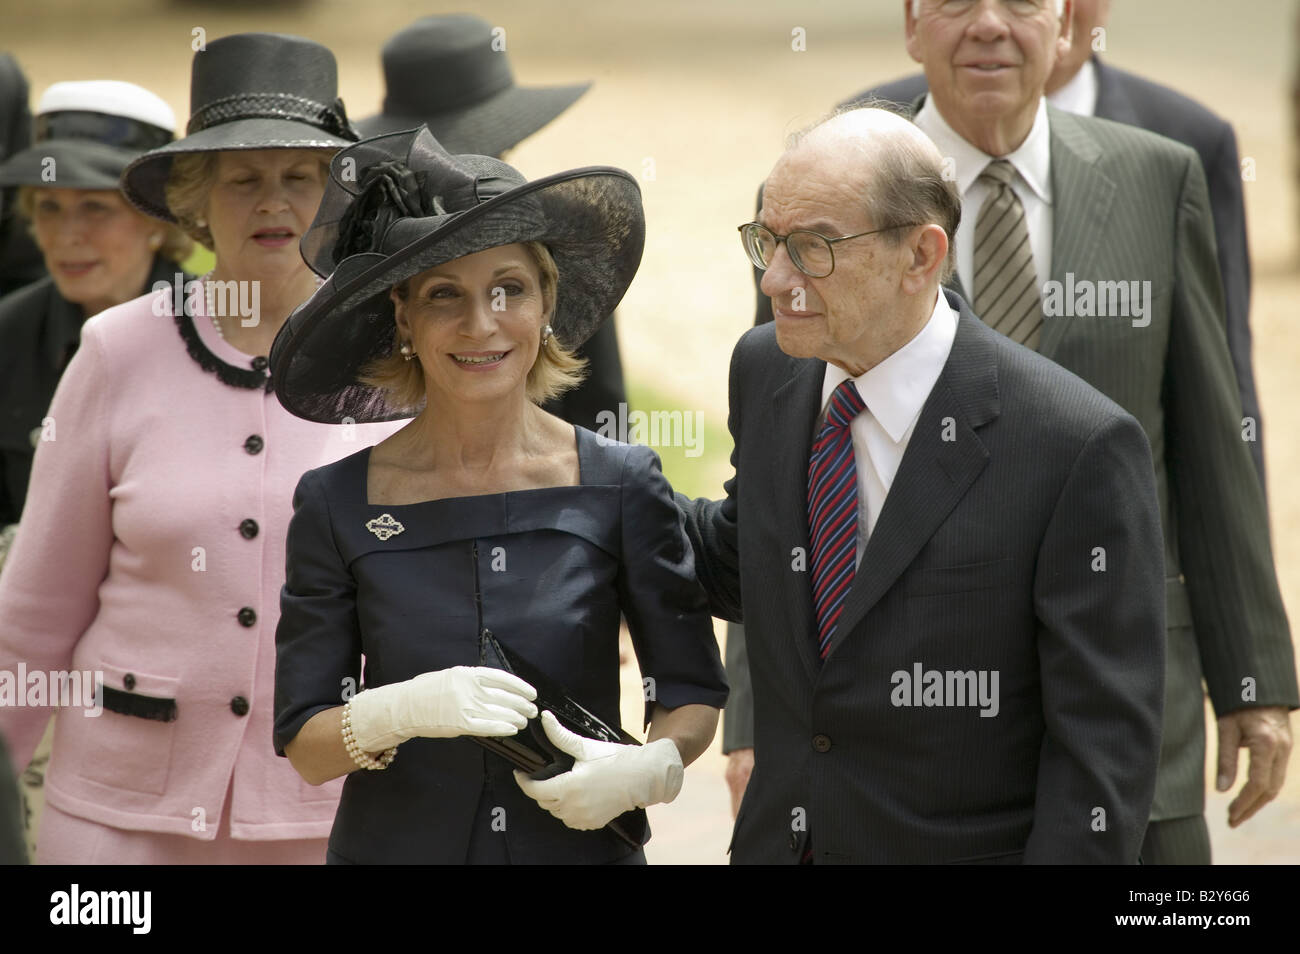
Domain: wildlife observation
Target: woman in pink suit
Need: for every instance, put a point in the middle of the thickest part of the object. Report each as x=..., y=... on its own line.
x=151, y=552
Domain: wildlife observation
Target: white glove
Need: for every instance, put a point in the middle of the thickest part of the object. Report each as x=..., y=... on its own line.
x=442, y=704
x=607, y=778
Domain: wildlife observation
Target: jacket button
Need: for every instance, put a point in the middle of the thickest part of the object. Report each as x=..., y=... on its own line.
x=239, y=706
x=254, y=444
x=259, y=363
x=247, y=616
x=248, y=528
x=821, y=743
x=129, y=680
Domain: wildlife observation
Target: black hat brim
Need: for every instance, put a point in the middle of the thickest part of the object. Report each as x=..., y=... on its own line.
x=144, y=182
x=590, y=219
x=78, y=164
x=489, y=127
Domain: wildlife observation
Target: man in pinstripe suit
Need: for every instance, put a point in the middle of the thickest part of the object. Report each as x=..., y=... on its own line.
x=982, y=680
x=1104, y=204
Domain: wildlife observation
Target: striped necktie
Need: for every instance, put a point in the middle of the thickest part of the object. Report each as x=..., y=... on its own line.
x=833, y=511
x=1005, y=281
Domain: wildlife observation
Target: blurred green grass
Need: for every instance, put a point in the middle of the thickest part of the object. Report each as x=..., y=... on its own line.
x=700, y=476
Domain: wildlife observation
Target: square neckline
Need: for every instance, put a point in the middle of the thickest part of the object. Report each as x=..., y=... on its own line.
x=581, y=444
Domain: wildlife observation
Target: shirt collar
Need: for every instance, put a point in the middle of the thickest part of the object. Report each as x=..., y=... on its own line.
x=1079, y=96
x=1032, y=159
x=896, y=389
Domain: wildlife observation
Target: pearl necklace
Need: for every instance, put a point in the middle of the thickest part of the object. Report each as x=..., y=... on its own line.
x=209, y=301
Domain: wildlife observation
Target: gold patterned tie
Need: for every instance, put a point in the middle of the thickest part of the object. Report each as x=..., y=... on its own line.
x=1005, y=281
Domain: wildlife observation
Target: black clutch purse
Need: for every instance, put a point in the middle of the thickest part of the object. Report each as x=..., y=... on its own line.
x=530, y=750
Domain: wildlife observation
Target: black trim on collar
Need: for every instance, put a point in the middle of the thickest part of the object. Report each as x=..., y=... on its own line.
x=236, y=377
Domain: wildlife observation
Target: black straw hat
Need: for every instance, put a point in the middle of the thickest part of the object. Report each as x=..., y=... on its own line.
x=452, y=74
x=249, y=91
x=86, y=133
x=398, y=205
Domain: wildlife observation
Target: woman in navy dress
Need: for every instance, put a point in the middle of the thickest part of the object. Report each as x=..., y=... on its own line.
x=459, y=290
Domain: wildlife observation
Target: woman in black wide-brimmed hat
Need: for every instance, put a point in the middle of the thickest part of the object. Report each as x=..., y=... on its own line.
x=458, y=289
x=150, y=556
x=451, y=72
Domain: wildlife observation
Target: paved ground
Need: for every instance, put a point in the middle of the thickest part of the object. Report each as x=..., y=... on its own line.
x=696, y=99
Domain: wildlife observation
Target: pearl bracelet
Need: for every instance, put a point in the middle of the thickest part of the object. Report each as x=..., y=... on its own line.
x=362, y=759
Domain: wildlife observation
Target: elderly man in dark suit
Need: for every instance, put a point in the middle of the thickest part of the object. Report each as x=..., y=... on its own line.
x=946, y=547
x=1063, y=206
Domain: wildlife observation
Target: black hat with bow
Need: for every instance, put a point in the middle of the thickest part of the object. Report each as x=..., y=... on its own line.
x=399, y=204
x=249, y=91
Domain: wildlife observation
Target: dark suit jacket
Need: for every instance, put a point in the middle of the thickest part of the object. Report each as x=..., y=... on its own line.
x=39, y=333
x=984, y=558
x=1120, y=194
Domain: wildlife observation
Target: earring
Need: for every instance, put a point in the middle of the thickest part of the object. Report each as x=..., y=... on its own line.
x=201, y=223
x=155, y=241
x=547, y=335
x=407, y=354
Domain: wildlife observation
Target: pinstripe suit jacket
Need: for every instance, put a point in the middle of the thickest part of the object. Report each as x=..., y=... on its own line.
x=1131, y=205
x=983, y=560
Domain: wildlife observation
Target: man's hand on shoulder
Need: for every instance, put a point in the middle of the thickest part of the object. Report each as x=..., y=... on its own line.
x=1266, y=731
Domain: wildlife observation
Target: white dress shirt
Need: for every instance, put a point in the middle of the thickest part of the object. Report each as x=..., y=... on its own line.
x=1079, y=96
x=1032, y=185
x=894, y=391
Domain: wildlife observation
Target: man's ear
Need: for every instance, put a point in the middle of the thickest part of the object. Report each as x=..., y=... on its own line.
x=929, y=249
x=911, y=40
x=1066, y=36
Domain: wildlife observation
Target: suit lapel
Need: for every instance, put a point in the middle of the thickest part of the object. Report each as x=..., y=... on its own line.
x=795, y=406
x=1081, y=203
x=935, y=472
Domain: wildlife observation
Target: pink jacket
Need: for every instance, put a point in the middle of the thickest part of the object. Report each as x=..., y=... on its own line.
x=151, y=550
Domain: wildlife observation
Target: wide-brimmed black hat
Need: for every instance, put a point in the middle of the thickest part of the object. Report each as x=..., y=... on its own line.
x=86, y=133
x=452, y=74
x=249, y=91
x=398, y=205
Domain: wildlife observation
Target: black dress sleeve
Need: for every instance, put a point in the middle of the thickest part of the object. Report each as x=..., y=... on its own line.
x=666, y=609
x=318, y=639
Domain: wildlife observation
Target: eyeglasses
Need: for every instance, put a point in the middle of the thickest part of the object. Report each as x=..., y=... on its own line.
x=811, y=252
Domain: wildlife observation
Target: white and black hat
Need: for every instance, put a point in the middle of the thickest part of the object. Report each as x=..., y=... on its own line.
x=85, y=133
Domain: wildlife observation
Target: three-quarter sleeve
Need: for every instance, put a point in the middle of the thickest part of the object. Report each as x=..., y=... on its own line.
x=318, y=639
x=49, y=590
x=666, y=608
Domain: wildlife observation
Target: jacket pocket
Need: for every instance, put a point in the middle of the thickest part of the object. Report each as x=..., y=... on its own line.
x=932, y=581
x=1178, y=607
x=132, y=751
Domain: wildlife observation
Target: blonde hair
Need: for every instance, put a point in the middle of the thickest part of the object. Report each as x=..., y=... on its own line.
x=176, y=245
x=555, y=370
x=190, y=182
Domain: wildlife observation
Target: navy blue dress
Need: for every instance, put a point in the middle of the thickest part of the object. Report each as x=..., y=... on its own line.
x=411, y=587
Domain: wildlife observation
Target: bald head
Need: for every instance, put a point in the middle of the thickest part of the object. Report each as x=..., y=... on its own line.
x=872, y=185
x=888, y=165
